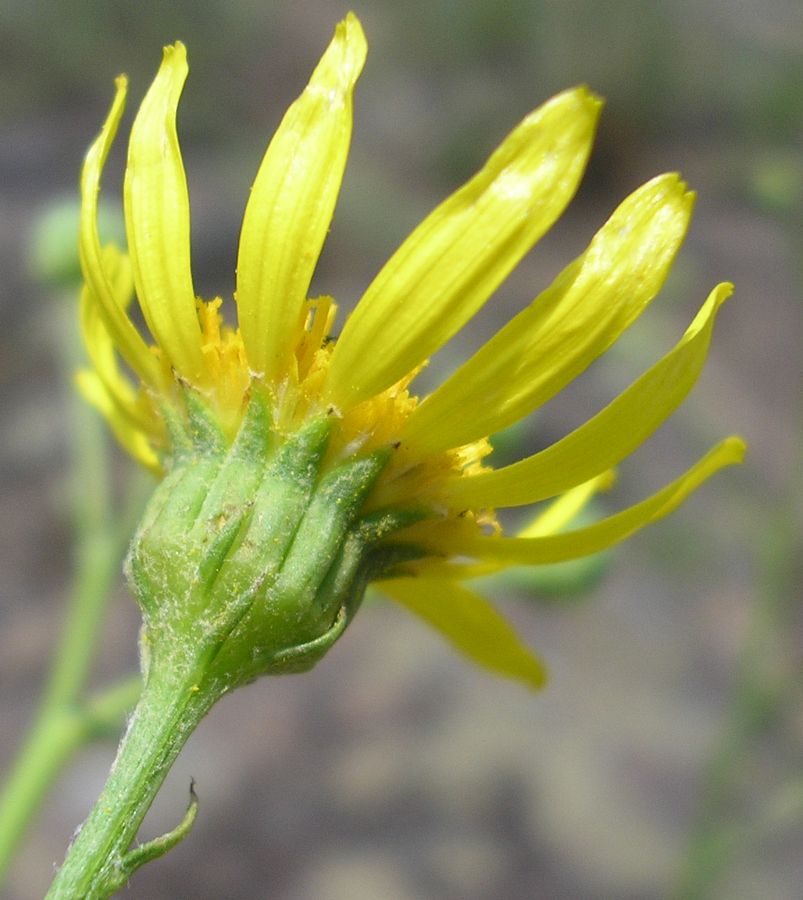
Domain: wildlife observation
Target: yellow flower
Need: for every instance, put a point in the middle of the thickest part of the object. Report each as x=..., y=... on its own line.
x=283, y=355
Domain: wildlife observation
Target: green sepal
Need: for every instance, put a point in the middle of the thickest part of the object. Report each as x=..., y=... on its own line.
x=178, y=434
x=206, y=434
x=302, y=658
x=324, y=528
x=291, y=607
x=160, y=555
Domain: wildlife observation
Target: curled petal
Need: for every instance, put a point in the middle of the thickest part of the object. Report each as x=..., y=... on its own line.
x=157, y=214
x=93, y=265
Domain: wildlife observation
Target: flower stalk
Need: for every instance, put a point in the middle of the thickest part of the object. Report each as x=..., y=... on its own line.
x=99, y=861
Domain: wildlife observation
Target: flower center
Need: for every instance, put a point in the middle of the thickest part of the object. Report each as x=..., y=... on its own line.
x=227, y=385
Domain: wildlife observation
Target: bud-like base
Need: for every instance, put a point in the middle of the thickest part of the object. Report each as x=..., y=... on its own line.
x=253, y=558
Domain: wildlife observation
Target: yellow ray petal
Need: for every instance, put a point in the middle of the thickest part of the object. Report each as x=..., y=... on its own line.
x=128, y=340
x=557, y=516
x=566, y=328
x=449, y=266
x=560, y=513
x=130, y=437
x=157, y=215
x=609, y=437
x=470, y=624
x=585, y=541
x=292, y=202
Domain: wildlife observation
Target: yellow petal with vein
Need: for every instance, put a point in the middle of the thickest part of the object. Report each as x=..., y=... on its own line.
x=449, y=266
x=292, y=202
x=471, y=624
x=128, y=340
x=609, y=437
x=596, y=537
x=566, y=328
x=157, y=215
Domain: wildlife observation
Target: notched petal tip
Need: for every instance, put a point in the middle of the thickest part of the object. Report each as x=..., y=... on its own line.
x=721, y=293
x=471, y=624
x=342, y=62
x=574, y=112
x=661, y=207
x=174, y=54
x=352, y=32
x=170, y=78
x=581, y=98
x=157, y=112
x=674, y=184
x=670, y=185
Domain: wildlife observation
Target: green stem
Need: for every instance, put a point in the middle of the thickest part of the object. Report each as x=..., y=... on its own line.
x=51, y=742
x=99, y=861
x=61, y=725
x=98, y=543
x=56, y=735
x=97, y=564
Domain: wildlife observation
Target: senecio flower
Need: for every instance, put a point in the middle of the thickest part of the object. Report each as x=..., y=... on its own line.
x=298, y=468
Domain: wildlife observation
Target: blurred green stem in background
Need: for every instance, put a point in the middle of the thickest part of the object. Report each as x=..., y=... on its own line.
x=764, y=691
x=767, y=693
x=67, y=718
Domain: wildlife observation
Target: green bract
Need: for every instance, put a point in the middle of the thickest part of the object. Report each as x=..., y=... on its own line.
x=252, y=558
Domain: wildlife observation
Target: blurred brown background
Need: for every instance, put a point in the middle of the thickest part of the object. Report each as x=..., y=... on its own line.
x=394, y=770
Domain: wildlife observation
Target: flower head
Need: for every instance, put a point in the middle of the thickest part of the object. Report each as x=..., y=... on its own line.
x=276, y=439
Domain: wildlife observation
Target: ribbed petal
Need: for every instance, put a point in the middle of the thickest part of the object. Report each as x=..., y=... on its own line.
x=585, y=541
x=470, y=624
x=566, y=328
x=130, y=437
x=126, y=337
x=157, y=214
x=292, y=202
x=454, y=260
x=606, y=439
